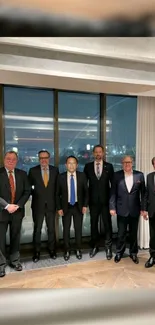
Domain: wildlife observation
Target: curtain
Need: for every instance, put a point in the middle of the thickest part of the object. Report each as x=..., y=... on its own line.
x=145, y=151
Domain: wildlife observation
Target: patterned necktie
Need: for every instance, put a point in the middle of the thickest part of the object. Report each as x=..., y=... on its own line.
x=45, y=177
x=98, y=170
x=12, y=186
x=72, y=190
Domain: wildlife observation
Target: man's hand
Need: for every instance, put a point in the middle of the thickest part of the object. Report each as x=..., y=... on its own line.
x=84, y=210
x=61, y=213
x=144, y=214
x=12, y=208
x=113, y=213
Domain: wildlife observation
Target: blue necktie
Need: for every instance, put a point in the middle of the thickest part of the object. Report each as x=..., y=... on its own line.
x=72, y=191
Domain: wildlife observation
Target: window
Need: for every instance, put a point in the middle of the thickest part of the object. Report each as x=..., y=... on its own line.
x=28, y=122
x=121, y=115
x=79, y=120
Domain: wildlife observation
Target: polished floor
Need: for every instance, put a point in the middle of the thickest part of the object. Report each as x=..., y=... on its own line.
x=88, y=273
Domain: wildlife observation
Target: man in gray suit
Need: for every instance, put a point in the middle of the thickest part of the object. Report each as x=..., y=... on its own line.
x=127, y=200
x=149, y=206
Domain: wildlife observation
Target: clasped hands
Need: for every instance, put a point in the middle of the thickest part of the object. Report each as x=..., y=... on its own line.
x=12, y=208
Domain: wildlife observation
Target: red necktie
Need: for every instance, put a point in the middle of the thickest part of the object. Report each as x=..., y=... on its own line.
x=12, y=186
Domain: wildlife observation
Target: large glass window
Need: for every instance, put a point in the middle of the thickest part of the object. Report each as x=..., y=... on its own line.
x=28, y=123
x=121, y=115
x=79, y=131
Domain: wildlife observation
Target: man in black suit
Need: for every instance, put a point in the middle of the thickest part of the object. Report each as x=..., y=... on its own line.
x=149, y=207
x=43, y=182
x=99, y=175
x=14, y=192
x=72, y=200
x=127, y=201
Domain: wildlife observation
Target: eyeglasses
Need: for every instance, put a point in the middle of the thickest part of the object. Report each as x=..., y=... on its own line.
x=41, y=158
x=127, y=162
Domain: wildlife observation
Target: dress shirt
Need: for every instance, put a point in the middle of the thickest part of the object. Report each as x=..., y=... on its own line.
x=69, y=183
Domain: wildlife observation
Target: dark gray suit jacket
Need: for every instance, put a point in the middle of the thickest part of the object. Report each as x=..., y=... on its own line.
x=121, y=200
x=149, y=199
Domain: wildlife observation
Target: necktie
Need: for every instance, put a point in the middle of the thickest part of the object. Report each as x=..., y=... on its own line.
x=45, y=177
x=98, y=170
x=12, y=186
x=72, y=190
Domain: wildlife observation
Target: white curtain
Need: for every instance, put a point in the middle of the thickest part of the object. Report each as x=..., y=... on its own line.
x=145, y=151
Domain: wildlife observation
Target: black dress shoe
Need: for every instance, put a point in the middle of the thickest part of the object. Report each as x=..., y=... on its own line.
x=93, y=252
x=135, y=259
x=2, y=272
x=17, y=267
x=53, y=255
x=79, y=254
x=66, y=256
x=117, y=258
x=150, y=262
x=36, y=257
x=109, y=254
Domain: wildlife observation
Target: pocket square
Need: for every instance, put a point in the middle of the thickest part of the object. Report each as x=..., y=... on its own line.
x=138, y=181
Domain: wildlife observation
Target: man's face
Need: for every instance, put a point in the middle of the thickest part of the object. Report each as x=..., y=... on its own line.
x=10, y=161
x=154, y=164
x=71, y=165
x=44, y=159
x=98, y=153
x=127, y=164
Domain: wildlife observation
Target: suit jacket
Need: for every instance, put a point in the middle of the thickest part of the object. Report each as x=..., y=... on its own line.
x=127, y=203
x=62, y=191
x=149, y=199
x=42, y=195
x=99, y=190
x=22, y=192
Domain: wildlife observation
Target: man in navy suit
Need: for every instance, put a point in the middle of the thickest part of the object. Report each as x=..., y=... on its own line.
x=127, y=200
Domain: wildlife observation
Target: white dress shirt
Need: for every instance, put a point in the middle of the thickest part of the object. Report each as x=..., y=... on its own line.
x=69, y=182
x=100, y=166
x=129, y=181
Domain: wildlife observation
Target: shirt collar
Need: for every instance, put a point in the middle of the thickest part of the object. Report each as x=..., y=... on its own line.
x=71, y=173
x=7, y=170
x=47, y=168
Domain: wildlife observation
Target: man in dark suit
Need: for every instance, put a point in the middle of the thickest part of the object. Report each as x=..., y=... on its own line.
x=14, y=193
x=72, y=200
x=43, y=182
x=149, y=207
x=99, y=175
x=127, y=201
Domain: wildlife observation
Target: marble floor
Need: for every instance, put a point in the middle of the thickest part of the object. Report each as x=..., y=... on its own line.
x=88, y=273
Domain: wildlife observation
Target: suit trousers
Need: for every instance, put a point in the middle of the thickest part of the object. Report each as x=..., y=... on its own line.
x=78, y=220
x=152, y=235
x=38, y=219
x=122, y=223
x=103, y=211
x=14, y=221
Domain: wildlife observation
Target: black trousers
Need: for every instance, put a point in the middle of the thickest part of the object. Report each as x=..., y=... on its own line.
x=14, y=221
x=152, y=235
x=123, y=223
x=38, y=219
x=73, y=211
x=95, y=212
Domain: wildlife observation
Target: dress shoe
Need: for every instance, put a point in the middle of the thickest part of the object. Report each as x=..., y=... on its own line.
x=66, y=256
x=53, y=255
x=150, y=262
x=135, y=259
x=17, y=267
x=36, y=257
x=109, y=254
x=79, y=254
x=2, y=272
x=117, y=258
x=93, y=252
